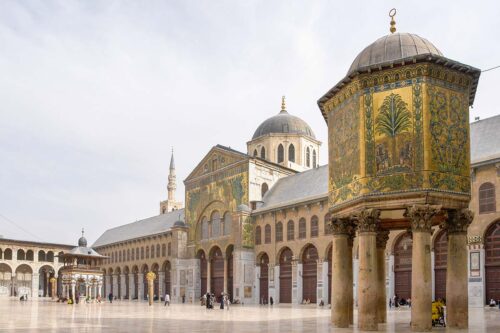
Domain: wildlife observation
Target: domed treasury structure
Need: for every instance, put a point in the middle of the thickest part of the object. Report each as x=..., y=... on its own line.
x=398, y=134
x=286, y=140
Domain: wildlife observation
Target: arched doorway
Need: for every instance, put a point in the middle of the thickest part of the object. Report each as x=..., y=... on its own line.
x=286, y=276
x=167, y=271
x=126, y=273
x=492, y=261
x=144, y=272
x=135, y=272
x=216, y=272
x=156, y=283
x=44, y=286
x=229, y=258
x=329, y=259
x=203, y=271
x=309, y=273
x=118, y=283
x=23, y=280
x=5, y=280
x=402, y=266
x=111, y=282
x=264, y=279
x=440, y=262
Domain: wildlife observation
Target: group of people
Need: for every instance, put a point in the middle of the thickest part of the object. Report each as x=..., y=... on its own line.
x=263, y=301
x=494, y=303
x=209, y=300
x=397, y=302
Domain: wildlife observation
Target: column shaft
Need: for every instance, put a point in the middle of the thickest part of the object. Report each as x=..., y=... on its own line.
x=350, y=283
x=341, y=289
x=421, y=282
x=367, y=290
x=381, y=297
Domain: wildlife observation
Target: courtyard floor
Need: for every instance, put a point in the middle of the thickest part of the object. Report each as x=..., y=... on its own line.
x=125, y=316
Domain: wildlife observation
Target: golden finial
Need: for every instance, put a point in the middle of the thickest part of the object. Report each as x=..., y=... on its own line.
x=283, y=106
x=392, y=13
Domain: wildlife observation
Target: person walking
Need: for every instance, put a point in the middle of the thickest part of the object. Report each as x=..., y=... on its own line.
x=227, y=301
x=167, y=299
x=110, y=297
x=271, y=300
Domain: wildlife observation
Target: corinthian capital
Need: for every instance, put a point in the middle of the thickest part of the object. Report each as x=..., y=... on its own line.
x=458, y=221
x=382, y=238
x=367, y=220
x=421, y=216
x=342, y=226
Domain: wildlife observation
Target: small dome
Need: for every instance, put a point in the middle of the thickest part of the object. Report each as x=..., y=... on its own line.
x=392, y=48
x=82, y=242
x=179, y=224
x=243, y=208
x=284, y=123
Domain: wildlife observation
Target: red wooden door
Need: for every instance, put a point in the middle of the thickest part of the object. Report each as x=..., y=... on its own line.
x=309, y=274
x=440, y=262
x=286, y=276
x=492, y=262
x=402, y=266
x=264, y=279
x=217, y=274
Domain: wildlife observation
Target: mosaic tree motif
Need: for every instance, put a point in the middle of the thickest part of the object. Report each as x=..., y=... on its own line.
x=393, y=119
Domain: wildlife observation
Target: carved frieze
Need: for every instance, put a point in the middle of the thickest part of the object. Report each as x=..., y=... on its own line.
x=458, y=221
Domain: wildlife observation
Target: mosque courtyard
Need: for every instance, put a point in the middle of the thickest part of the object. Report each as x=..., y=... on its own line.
x=125, y=316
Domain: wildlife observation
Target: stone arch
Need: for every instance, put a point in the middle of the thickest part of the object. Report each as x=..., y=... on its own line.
x=285, y=270
x=21, y=255
x=216, y=271
x=23, y=280
x=492, y=260
x=42, y=256
x=281, y=154
x=5, y=280
x=263, y=263
x=50, y=256
x=30, y=255
x=7, y=254
x=201, y=255
x=215, y=205
x=403, y=265
x=167, y=271
x=309, y=258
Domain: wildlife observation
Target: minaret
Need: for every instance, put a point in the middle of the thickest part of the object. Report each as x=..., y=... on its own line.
x=170, y=204
x=171, y=179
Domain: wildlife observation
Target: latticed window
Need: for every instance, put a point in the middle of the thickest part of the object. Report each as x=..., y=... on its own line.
x=314, y=226
x=263, y=153
x=290, y=230
x=257, y=235
x=487, y=198
x=328, y=226
x=302, y=228
x=215, y=225
x=308, y=157
x=267, y=234
x=281, y=153
x=291, y=153
x=279, y=232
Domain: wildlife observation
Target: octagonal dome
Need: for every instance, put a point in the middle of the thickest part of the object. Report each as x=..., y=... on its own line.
x=392, y=48
x=284, y=123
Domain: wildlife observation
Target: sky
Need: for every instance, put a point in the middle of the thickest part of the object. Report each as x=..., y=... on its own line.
x=94, y=94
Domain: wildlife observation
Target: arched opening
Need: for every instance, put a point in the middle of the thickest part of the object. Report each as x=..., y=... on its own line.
x=255, y=154
x=168, y=284
x=264, y=279
x=286, y=275
x=263, y=153
x=216, y=272
x=135, y=272
x=487, y=202
x=50, y=256
x=21, y=255
x=440, y=262
x=204, y=228
x=111, y=282
x=302, y=228
x=314, y=226
x=5, y=280
x=23, y=280
x=492, y=261
x=215, y=225
x=118, y=283
x=29, y=255
x=309, y=273
x=145, y=271
x=156, y=284
x=203, y=271
x=230, y=271
x=402, y=266
x=279, y=232
x=7, y=255
x=126, y=272
x=329, y=259
x=308, y=157
x=267, y=234
x=314, y=159
x=290, y=230
x=41, y=256
x=281, y=153
x=228, y=224
x=258, y=235
x=263, y=190
x=44, y=285
x=291, y=153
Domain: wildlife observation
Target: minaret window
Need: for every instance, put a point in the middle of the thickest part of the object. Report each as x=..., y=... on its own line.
x=291, y=153
x=263, y=153
x=255, y=153
x=314, y=158
x=264, y=189
x=308, y=157
x=281, y=153
x=215, y=224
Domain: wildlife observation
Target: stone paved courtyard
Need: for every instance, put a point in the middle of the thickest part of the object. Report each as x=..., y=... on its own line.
x=124, y=316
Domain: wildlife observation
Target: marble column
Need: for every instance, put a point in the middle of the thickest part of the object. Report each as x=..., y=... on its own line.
x=457, y=302
x=340, y=272
x=350, y=296
x=131, y=287
x=225, y=274
x=420, y=217
x=367, y=287
x=209, y=264
x=123, y=286
x=382, y=237
x=73, y=284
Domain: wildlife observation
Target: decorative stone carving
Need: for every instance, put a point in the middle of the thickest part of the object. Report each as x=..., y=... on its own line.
x=342, y=226
x=458, y=221
x=382, y=238
x=367, y=220
x=421, y=216
x=475, y=239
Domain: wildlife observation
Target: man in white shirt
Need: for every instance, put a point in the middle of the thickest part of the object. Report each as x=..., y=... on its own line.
x=167, y=299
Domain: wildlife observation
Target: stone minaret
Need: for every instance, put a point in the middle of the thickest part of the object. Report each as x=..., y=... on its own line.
x=170, y=204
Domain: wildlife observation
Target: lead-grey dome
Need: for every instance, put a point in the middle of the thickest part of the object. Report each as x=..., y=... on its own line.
x=392, y=48
x=82, y=242
x=284, y=123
